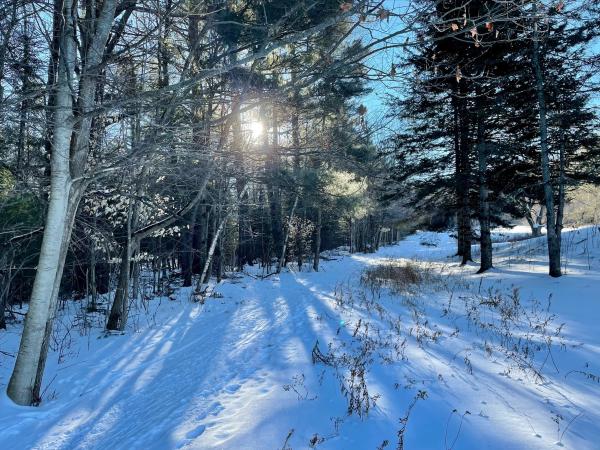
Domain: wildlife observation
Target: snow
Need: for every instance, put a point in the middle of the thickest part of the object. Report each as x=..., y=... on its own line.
x=237, y=371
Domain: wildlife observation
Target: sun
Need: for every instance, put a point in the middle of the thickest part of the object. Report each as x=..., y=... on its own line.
x=256, y=128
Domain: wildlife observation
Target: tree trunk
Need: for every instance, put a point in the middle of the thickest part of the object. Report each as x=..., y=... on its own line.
x=188, y=256
x=561, y=188
x=118, y=312
x=299, y=241
x=215, y=239
x=93, y=306
x=485, y=240
x=552, y=233
x=21, y=387
x=135, y=275
x=464, y=176
x=317, y=241
x=287, y=235
x=220, y=260
x=4, y=293
x=274, y=191
x=461, y=177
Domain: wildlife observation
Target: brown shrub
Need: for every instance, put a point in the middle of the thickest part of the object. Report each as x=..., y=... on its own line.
x=398, y=276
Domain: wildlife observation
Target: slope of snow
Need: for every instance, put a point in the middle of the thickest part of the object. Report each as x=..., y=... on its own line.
x=239, y=371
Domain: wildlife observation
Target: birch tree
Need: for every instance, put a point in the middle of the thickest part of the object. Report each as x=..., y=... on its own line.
x=71, y=125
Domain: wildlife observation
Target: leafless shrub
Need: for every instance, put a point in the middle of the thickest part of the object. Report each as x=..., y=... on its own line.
x=297, y=385
x=383, y=445
x=315, y=440
x=586, y=375
x=517, y=331
x=285, y=443
x=351, y=364
x=420, y=395
x=462, y=418
x=398, y=276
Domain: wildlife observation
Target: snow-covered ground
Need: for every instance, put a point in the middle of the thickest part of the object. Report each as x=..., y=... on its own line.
x=453, y=360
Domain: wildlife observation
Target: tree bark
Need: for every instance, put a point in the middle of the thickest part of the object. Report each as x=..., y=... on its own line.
x=274, y=191
x=485, y=241
x=485, y=238
x=188, y=256
x=552, y=233
x=317, y=241
x=464, y=176
x=32, y=349
x=215, y=239
x=118, y=312
x=287, y=235
x=93, y=285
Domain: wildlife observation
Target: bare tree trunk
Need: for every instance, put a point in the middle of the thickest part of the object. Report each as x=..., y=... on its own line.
x=287, y=235
x=189, y=249
x=25, y=86
x=552, y=233
x=70, y=151
x=76, y=194
x=561, y=187
x=534, y=219
x=485, y=240
x=274, y=191
x=135, y=289
x=215, y=239
x=5, y=281
x=118, y=312
x=52, y=254
x=93, y=285
x=220, y=260
x=351, y=227
x=461, y=149
x=299, y=241
x=317, y=241
x=4, y=43
x=484, y=213
x=464, y=176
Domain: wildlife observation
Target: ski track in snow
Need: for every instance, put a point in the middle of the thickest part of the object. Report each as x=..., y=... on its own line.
x=211, y=376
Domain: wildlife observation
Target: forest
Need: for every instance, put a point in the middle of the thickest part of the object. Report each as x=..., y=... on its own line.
x=288, y=224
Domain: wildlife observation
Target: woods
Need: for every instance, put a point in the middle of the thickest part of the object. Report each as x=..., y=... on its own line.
x=483, y=103
x=147, y=141
x=174, y=123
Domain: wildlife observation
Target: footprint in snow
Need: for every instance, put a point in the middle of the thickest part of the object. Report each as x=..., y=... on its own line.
x=193, y=434
x=190, y=436
x=213, y=410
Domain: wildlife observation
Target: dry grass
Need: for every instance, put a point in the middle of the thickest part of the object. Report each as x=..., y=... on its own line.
x=398, y=276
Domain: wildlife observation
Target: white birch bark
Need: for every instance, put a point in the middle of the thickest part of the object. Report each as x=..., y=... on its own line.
x=63, y=199
x=21, y=385
x=287, y=235
x=215, y=239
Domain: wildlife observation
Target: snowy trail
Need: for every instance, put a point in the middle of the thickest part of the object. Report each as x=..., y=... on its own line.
x=237, y=372
x=164, y=387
